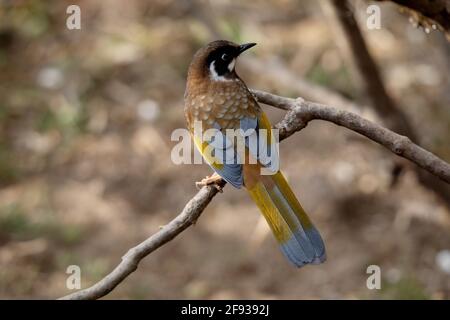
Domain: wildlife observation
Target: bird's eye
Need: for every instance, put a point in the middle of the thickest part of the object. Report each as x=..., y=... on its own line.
x=225, y=57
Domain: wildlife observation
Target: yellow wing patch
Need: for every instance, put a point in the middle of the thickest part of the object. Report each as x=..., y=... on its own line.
x=264, y=123
x=204, y=149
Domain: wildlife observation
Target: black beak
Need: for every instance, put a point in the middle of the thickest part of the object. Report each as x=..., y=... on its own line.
x=246, y=46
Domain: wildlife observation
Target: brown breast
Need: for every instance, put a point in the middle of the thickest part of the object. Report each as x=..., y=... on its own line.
x=224, y=102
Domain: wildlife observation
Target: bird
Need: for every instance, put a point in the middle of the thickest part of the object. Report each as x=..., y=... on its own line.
x=217, y=99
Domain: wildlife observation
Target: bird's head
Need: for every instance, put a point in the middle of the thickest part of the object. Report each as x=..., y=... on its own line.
x=217, y=60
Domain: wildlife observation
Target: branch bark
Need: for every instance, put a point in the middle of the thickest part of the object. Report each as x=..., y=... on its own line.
x=438, y=11
x=300, y=112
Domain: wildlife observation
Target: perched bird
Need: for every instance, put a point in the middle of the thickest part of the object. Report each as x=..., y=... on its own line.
x=217, y=99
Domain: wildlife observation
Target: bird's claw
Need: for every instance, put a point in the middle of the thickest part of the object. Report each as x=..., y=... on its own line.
x=213, y=180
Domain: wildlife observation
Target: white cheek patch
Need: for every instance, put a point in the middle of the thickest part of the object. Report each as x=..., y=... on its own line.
x=231, y=65
x=214, y=75
x=212, y=70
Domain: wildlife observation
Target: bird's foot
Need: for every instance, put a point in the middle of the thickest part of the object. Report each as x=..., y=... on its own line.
x=213, y=180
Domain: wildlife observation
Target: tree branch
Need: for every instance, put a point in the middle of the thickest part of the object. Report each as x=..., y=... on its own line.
x=438, y=11
x=131, y=259
x=352, y=40
x=300, y=112
x=353, y=43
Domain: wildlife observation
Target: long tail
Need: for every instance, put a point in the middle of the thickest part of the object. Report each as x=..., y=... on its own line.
x=299, y=240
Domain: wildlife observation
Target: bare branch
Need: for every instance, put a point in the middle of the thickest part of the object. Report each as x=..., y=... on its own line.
x=428, y=12
x=131, y=259
x=299, y=113
x=352, y=41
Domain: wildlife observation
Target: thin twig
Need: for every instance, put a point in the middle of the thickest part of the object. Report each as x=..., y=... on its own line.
x=428, y=13
x=299, y=113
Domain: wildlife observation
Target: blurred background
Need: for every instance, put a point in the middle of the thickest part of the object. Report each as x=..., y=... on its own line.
x=85, y=170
